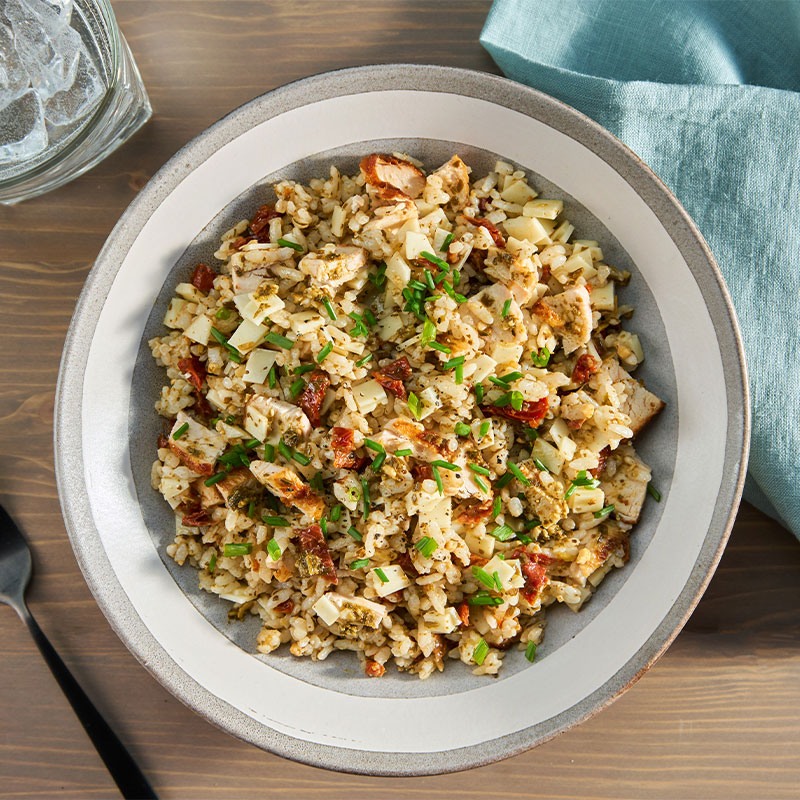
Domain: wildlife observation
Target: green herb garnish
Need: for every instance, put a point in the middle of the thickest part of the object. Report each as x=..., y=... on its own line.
x=426, y=546
x=293, y=245
x=480, y=652
x=183, y=428
x=280, y=341
x=243, y=549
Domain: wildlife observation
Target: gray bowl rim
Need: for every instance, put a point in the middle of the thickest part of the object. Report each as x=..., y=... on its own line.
x=72, y=489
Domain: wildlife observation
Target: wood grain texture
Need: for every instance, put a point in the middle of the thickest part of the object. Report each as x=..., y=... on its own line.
x=717, y=717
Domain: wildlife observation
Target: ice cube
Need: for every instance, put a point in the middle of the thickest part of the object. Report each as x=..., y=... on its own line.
x=49, y=58
x=77, y=101
x=22, y=130
x=13, y=77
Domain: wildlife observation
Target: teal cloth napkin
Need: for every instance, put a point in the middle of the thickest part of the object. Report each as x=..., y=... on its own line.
x=706, y=93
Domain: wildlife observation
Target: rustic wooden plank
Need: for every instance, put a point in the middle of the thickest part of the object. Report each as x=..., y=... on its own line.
x=716, y=718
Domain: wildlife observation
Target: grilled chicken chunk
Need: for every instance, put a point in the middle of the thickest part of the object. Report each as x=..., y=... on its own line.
x=334, y=266
x=626, y=488
x=640, y=404
x=239, y=488
x=455, y=181
x=491, y=302
x=390, y=175
x=199, y=447
x=270, y=420
x=546, y=501
x=289, y=487
x=569, y=314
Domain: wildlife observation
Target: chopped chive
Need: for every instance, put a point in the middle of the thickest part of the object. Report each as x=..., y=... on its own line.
x=517, y=400
x=214, y=478
x=325, y=352
x=531, y=434
x=504, y=480
x=603, y=512
x=243, y=549
x=418, y=285
x=360, y=328
x=212, y=562
x=414, y=405
x=404, y=452
x=483, y=487
x=269, y=452
x=511, y=376
x=285, y=450
x=323, y=524
x=375, y=446
x=280, y=341
x=183, y=428
x=502, y=533
x=479, y=392
x=541, y=467
x=443, y=265
x=530, y=651
x=445, y=465
x=336, y=512
x=272, y=378
x=531, y=524
x=484, y=428
x=429, y=280
x=518, y=473
x=362, y=361
x=359, y=563
x=462, y=429
x=524, y=538
x=370, y=317
x=446, y=243
x=498, y=382
x=274, y=549
x=480, y=652
x=428, y=332
x=541, y=357
x=438, y=478
x=223, y=313
x=329, y=308
x=572, y=487
x=483, y=576
x=459, y=298
x=448, y=289
x=506, y=308
x=301, y=458
x=426, y=546
x=496, y=506
x=251, y=509
x=365, y=497
x=653, y=492
x=503, y=400
x=303, y=368
x=442, y=348
x=293, y=245
x=276, y=522
x=479, y=469
x=377, y=462
x=453, y=362
x=456, y=280
x=252, y=443
x=354, y=533
x=483, y=598
x=497, y=582
x=296, y=389
x=316, y=482
x=460, y=374
x=233, y=353
x=381, y=574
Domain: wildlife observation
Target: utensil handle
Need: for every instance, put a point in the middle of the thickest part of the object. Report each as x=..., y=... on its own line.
x=126, y=774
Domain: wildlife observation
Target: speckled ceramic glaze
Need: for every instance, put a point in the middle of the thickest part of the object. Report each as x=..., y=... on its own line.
x=329, y=714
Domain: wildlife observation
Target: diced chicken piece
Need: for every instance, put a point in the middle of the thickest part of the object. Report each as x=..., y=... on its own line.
x=334, y=267
x=397, y=212
x=208, y=495
x=246, y=281
x=486, y=308
x=604, y=543
x=546, y=500
x=389, y=175
x=270, y=420
x=640, y=404
x=455, y=181
x=569, y=314
x=350, y=613
x=247, y=277
x=239, y=488
x=289, y=487
x=626, y=488
x=198, y=448
x=401, y=433
x=515, y=270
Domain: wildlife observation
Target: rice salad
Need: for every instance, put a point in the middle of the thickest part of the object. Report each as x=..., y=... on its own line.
x=401, y=415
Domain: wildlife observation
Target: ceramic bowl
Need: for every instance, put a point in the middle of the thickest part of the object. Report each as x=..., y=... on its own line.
x=328, y=713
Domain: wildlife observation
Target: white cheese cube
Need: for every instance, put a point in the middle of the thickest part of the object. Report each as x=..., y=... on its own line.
x=577, y=261
x=560, y=432
x=442, y=623
x=263, y=303
x=585, y=499
x=177, y=315
x=508, y=570
x=248, y=336
x=484, y=367
x=439, y=235
x=389, y=326
x=548, y=455
x=434, y=516
x=368, y=396
x=428, y=402
x=480, y=543
x=563, y=232
x=517, y=192
x=241, y=301
x=415, y=244
x=398, y=580
x=536, y=231
x=590, y=245
x=199, y=331
x=505, y=353
x=397, y=270
x=306, y=321
x=189, y=292
x=326, y=610
x=543, y=209
x=259, y=364
x=603, y=298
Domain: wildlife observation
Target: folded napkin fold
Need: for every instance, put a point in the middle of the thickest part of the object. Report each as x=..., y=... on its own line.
x=706, y=93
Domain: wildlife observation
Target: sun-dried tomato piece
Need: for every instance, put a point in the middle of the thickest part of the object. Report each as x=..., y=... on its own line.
x=391, y=385
x=196, y=518
x=314, y=558
x=194, y=370
x=343, y=445
x=535, y=580
x=463, y=613
x=399, y=369
x=203, y=408
x=544, y=273
x=422, y=472
x=162, y=441
x=585, y=367
x=475, y=512
x=575, y=424
x=493, y=231
x=203, y=278
x=263, y=217
x=404, y=560
x=373, y=669
x=286, y=607
x=536, y=558
x=483, y=204
x=474, y=559
x=602, y=457
x=313, y=395
x=532, y=411
x=391, y=377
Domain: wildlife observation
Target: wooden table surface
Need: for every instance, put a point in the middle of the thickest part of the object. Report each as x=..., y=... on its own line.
x=717, y=717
